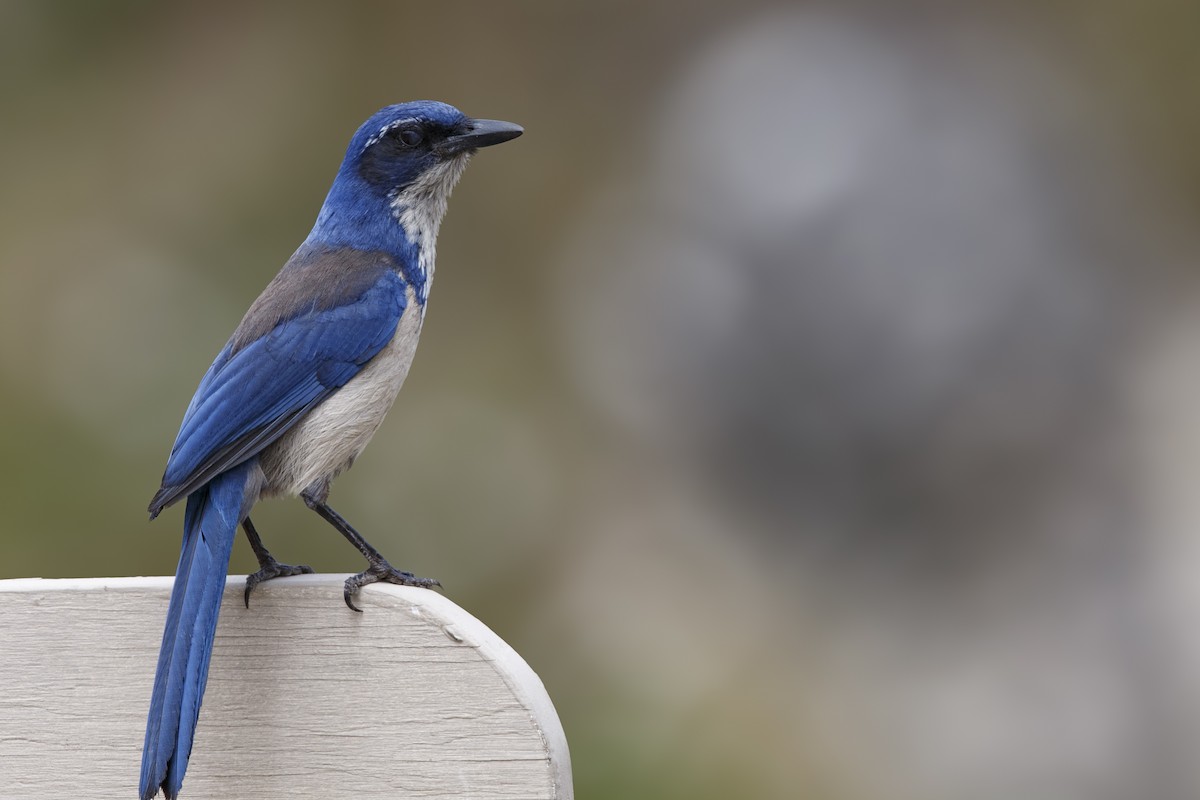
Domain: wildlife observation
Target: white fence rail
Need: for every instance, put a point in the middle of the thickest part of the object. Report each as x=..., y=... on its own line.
x=306, y=699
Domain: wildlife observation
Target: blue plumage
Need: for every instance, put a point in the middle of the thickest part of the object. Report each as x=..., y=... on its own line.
x=210, y=524
x=369, y=177
x=288, y=370
x=301, y=387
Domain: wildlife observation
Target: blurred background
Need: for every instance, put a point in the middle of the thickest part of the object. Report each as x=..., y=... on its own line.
x=810, y=396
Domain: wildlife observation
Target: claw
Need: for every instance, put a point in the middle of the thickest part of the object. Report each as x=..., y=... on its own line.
x=270, y=570
x=383, y=572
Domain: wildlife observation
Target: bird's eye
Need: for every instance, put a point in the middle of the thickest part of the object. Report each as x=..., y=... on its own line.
x=411, y=137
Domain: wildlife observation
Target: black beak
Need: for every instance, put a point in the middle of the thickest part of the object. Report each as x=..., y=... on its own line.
x=480, y=133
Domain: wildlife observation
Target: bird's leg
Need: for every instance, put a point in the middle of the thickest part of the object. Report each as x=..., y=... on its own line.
x=379, y=570
x=268, y=567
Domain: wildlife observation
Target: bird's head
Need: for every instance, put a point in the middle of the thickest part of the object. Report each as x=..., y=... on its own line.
x=400, y=167
x=422, y=142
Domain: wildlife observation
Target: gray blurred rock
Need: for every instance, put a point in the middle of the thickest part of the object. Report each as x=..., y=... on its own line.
x=859, y=289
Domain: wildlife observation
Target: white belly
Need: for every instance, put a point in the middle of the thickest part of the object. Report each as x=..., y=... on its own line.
x=332, y=435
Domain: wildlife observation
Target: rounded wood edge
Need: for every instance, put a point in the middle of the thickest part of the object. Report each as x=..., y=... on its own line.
x=526, y=686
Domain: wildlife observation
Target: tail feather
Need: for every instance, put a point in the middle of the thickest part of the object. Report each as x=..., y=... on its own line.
x=210, y=524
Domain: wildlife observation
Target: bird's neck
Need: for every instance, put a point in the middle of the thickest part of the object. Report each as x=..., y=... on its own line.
x=404, y=224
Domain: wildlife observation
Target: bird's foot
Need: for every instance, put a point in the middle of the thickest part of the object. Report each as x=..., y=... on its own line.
x=383, y=572
x=271, y=568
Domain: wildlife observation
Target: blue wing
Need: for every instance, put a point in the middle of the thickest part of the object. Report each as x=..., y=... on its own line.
x=256, y=390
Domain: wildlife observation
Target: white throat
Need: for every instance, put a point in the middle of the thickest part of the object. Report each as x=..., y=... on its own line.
x=420, y=208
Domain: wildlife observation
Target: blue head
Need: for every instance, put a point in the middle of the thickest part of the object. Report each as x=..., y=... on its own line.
x=391, y=191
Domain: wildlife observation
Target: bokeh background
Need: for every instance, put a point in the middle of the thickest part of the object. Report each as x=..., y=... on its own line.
x=812, y=396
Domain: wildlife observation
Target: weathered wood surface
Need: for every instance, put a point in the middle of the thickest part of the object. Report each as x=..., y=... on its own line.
x=306, y=699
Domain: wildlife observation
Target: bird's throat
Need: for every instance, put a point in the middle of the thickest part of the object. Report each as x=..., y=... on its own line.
x=420, y=207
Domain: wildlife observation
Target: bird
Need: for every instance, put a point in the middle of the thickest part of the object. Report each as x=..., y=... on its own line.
x=300, y=388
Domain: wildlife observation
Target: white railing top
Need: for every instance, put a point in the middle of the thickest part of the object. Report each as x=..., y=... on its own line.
x=306, y=699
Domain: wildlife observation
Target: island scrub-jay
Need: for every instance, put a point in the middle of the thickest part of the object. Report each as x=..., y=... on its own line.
x=301, y=386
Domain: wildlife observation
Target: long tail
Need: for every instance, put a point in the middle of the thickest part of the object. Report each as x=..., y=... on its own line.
x=210, y=524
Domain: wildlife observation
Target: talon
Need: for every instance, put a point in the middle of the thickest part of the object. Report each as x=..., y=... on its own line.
x=383, y=572
x=347, y=592
x=272, y=569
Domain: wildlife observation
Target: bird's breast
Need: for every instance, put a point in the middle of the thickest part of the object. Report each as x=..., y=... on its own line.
x=332, y=435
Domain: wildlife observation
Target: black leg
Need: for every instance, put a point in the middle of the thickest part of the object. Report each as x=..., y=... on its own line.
x=378, y=571
x=268, y=567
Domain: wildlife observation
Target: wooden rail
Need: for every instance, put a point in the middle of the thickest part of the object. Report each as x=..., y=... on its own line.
x=306, y=699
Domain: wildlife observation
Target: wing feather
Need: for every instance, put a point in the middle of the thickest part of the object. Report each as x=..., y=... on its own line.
x=253, y=394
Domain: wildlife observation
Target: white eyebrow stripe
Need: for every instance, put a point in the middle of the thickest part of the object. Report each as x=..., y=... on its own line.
x=384, y=131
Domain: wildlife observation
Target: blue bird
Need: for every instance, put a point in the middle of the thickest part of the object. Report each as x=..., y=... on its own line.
x=301, y=387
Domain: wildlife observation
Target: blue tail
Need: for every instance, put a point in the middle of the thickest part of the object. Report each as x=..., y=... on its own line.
x=210, y=524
